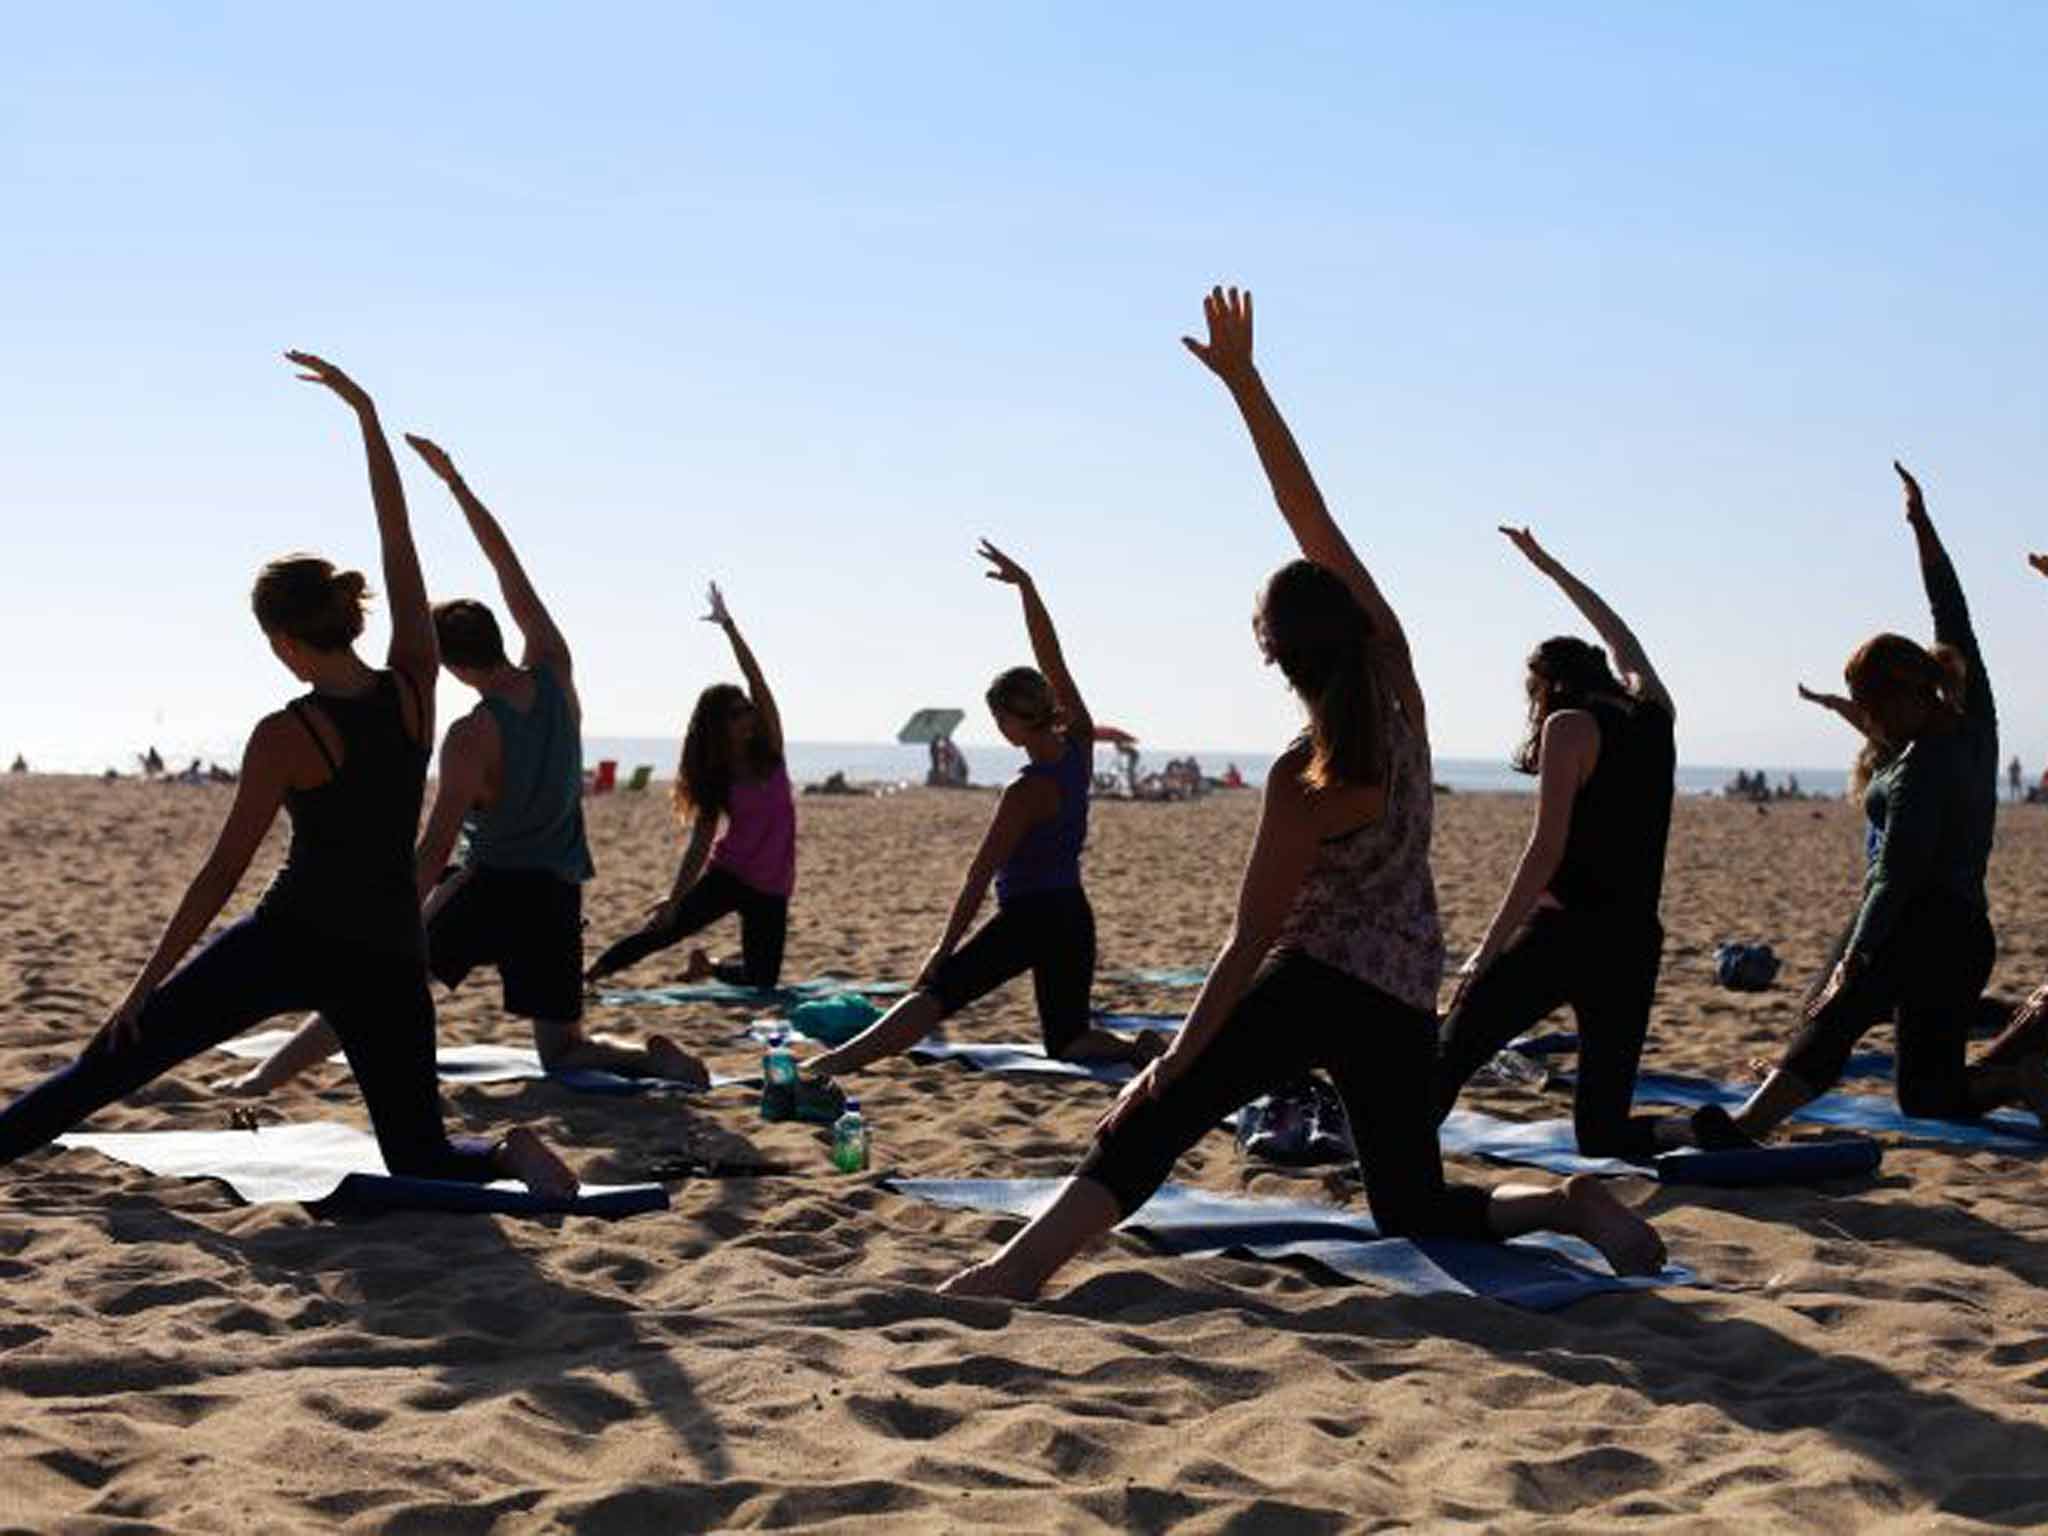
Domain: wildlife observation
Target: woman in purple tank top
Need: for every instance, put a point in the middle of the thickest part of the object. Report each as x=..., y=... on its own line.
x=732, y=770
x=1032, y=854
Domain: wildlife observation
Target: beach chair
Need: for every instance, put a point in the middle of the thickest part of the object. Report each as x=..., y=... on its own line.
x=605, y=780
x=638, y=783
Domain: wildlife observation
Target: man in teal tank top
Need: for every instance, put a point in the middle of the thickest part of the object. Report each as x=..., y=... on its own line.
x=511, y=787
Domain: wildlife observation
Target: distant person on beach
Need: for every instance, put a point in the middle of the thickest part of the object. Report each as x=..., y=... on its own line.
x=511, y=786
x=732, y=769
x=1031, y=852
x=338, y=929
x=152, y=763
x=1336, y=953
x=1578, y=923
x=1919, y=947
x=19, y=765
x=2015, y=777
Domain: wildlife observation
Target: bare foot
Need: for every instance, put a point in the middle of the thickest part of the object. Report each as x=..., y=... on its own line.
x=699, y=968
x=987, y=1279
x=1761, y=1067
x=672, y=1063
x=1631, y=1245
x=533, y=1163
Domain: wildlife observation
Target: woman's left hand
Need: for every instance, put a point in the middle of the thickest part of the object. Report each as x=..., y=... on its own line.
x=1467, y=974
x=1838, y=978
x=2039, y=563
x=1149, y=1084
x=317, y=370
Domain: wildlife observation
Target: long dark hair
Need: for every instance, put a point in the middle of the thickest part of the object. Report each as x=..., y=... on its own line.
x=1565, y=672
x=1322, y=641
x=705, y=773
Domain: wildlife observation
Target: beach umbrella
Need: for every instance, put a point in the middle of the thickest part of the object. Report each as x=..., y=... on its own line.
x=929, y=725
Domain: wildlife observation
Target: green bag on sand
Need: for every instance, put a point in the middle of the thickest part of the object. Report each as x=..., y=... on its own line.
x=834, y=1020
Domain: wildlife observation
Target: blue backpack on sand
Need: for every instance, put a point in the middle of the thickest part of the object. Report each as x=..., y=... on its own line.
x=1745, y=967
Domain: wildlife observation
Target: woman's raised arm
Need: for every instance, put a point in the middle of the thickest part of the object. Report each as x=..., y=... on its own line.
x=1228, y=354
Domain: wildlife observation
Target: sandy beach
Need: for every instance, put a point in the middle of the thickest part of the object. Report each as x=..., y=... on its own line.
x=1866, y=1357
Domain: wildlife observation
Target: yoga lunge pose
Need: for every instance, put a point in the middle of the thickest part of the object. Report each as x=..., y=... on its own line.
x=1919, y=947
x=511, y=785
x=1579, y=921
x=1032, y=852
x=1336, y=954
x=338, y=930
x=732, y=767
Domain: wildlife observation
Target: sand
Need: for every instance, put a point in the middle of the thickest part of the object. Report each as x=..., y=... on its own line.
x=1871, y=1358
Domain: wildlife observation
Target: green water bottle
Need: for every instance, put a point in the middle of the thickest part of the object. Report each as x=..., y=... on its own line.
x=850, y=1140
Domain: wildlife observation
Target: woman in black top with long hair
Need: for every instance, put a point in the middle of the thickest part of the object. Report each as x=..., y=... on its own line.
x=338, y=930
x=1579, y=921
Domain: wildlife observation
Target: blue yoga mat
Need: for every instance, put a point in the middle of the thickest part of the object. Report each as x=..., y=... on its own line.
x=494, y=1064
x=1021, y=1061
x=2003, y=1130
x=1162, y=976
x=310, y=1163
x=1539, y=1273
x=751, y=997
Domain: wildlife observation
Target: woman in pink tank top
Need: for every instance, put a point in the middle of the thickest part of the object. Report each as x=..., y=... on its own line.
x=732, y=770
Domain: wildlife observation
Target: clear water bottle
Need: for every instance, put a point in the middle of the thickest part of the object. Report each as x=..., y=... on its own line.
x=850, y=1140
x=778, y=1062
x=1511, y=1069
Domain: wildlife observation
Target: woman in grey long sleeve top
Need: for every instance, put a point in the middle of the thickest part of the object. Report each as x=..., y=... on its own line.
x=1919, y=948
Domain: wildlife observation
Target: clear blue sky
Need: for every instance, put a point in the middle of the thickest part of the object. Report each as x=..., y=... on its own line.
x=808, y=297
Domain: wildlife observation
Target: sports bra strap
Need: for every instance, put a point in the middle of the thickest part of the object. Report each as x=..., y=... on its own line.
x=298, y=709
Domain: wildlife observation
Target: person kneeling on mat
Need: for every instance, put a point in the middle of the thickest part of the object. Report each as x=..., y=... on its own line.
x=1336, y=954
x=1032, y=853
x=512, y=783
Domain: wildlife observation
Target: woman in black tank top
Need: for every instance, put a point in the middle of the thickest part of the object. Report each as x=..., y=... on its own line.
x=338, y=929
x=1579, y=921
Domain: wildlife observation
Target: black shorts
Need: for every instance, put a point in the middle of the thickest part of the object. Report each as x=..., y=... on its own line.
x=526, y=922
x=1051, y=934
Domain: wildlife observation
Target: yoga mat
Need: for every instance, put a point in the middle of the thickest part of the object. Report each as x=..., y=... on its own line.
x=1021, y=1061
x=308, y=1163
x=372, y=1194
x=497, y=1064
x=1138, y=1023
x=1162, y=976
x=1539, y=1273
x=2003, y=1130
x=725, y=992
x=1553, y=1145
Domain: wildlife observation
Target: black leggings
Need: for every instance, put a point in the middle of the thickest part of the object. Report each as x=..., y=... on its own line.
x=1299, y=1014
x=261, y=967
x=1051, y=934
x=1927, y=980
x=764, y=927
x=1606, y=968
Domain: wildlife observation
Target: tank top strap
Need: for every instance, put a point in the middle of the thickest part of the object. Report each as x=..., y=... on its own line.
x=298, y=713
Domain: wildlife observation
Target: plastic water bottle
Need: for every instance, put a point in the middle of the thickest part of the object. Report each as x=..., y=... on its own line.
x=850, y=1140
x=778, y=1063
x=1511, y=1069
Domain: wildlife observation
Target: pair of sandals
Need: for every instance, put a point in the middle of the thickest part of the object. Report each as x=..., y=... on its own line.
x=1302, y=1126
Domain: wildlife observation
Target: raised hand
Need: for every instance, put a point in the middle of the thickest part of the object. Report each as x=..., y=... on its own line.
x=718, y=614
x=435, y=455
x=317, y=370
x=1228, y=351
x=1825, y=700
x=1005, y=569
x=1916, y=504
x=1525, y=541
x=2039, y=563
